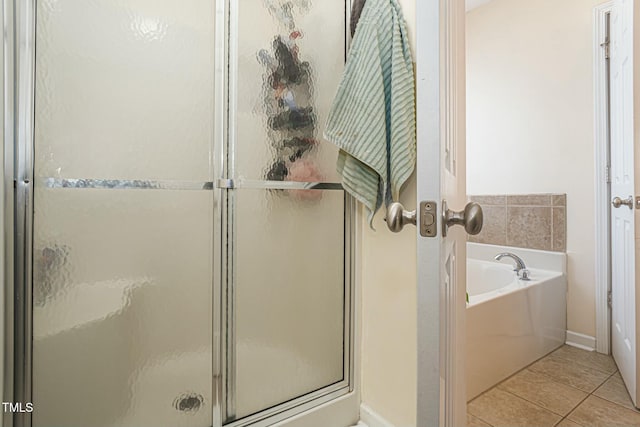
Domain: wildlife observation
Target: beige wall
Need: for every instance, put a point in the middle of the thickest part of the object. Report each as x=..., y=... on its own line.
x=388, y=280
x=389, y=318
x=530, y=103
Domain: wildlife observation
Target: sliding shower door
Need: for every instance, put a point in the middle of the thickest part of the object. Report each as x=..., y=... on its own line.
x=185, y=252
x=122, y=217
x=288, y=299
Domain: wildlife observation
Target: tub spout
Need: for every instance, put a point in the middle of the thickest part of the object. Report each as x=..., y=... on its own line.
x=521, y=268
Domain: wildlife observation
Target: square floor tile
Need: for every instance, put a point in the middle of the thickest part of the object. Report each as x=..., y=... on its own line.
x=502, y=409
x=597, y=412
x=590, y=359
x=615, y=391
x=570, y=373
x=544, y=391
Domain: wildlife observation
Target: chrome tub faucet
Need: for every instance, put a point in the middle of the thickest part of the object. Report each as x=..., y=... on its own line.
x=521, y=269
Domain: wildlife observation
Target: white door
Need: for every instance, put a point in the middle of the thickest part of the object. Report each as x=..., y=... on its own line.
x=623, y=298
x=441, y=176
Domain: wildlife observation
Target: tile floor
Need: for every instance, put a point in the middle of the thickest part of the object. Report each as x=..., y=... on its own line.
x=568, y=388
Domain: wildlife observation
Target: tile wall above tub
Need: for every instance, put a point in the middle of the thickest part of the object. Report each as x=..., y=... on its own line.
x=533, y=221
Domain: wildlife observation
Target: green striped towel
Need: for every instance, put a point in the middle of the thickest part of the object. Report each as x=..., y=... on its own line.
x=373, y=117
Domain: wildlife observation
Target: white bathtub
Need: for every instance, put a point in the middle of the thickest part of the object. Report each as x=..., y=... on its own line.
x=511, y=323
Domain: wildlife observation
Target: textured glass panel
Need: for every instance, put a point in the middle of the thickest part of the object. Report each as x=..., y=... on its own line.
x=289, y=284
x=290, y=59
x=124, y=89
x=122, y=279
x=122, y=308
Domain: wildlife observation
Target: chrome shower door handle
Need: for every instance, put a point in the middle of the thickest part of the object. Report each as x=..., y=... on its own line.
x=617, y=202
x=471, y=218
x=397, y=217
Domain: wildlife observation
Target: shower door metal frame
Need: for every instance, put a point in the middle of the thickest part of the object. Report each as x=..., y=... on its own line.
x=19, y=79
x=9, y=205
x=19, y=107
x=224, y=355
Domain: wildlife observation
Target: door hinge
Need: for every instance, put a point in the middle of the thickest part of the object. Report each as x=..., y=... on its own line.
x=607, y=49
x=609, y=299
x=607, y=174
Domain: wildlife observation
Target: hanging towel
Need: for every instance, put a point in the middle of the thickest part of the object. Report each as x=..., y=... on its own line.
x=373, y=117
x=356, y=11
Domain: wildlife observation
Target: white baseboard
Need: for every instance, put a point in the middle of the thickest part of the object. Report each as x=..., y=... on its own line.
x=370, y=418
x=582, y=341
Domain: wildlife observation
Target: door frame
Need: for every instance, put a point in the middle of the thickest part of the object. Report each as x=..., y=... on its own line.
x=440, y=86
x=602, y=180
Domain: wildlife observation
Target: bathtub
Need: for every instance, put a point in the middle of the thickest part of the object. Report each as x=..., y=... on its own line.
x=511, y=323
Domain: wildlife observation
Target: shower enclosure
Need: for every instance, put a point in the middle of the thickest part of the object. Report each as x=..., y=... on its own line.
x=182, y=250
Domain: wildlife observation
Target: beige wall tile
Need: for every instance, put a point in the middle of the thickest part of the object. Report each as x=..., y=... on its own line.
x=529, y=200
x=559, y=200
x=529, y=227
x=489, y=200
x=494, y=230
x=559, y=230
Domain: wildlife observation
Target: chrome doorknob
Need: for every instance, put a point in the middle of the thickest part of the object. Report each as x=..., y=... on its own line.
x=397, y=217
x=471, y=218
x=617, y=202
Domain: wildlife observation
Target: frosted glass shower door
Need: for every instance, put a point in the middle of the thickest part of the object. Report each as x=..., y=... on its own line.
x=123, y=208
x=161, y=152
x=288, y=289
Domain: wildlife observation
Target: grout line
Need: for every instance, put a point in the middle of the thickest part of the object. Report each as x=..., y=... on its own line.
x=611, y=401
x=615, y=404
x=579, y=403
x=555, y=380
x=586, y=366
x=534, y=403
x=566, y=417
x=482, y=419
